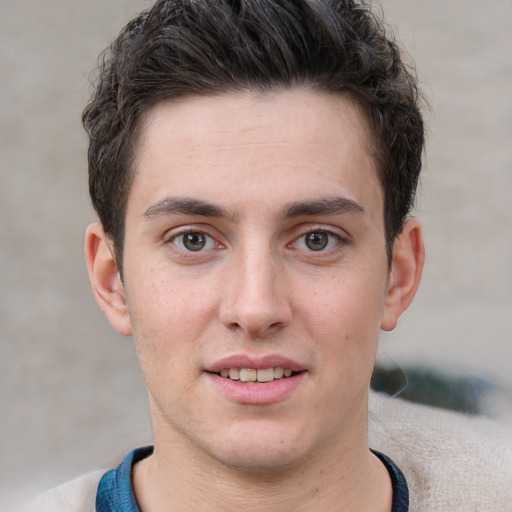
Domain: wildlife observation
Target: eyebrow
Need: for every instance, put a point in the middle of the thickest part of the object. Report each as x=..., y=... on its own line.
x=185, y=206
x=190, y=206
x=326, y=206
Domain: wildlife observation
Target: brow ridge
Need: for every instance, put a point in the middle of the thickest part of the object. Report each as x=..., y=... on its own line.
x=322, y=206
x=192, y=206
x=185, y=206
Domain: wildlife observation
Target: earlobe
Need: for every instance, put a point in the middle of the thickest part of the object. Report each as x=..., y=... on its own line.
x=405, y=274
x=105, y=281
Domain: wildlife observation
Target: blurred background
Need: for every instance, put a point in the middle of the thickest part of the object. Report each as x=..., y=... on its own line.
x=72, y=398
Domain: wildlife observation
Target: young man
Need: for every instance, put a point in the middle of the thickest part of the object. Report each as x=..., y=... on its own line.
x=253, y=165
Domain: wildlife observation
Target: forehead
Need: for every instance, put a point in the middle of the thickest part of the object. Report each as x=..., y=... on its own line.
x=251, y=116
x=295, y=139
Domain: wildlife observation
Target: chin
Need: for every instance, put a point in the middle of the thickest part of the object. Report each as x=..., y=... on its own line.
x=257, y=451
x=264, y=462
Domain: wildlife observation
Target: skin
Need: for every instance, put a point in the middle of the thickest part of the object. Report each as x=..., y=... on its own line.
x=252, y=175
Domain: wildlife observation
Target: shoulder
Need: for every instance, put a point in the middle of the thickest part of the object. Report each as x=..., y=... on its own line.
x=451, y=461
x=77, y=495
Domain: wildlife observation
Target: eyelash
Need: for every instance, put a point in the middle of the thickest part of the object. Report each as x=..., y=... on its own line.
x=338, y=240
x=334, y=240
x=191, y=231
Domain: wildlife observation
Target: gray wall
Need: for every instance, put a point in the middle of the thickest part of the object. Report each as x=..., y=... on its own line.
x=72, y=398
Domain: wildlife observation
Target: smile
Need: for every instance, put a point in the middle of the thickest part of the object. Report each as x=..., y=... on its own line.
x=257, y=382
x=253, y=375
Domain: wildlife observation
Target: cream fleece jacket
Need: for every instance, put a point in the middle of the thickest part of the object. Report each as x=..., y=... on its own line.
x=452, y=462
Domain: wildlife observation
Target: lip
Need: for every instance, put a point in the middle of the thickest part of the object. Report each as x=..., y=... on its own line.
x=251, y=393
x=258, y=363
x=261, y=393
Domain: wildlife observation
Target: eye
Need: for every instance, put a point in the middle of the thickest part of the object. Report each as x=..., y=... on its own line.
x=317, y=241
x=194, y=241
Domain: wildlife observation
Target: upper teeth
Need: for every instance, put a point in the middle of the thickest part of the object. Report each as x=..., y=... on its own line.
x=252, y=375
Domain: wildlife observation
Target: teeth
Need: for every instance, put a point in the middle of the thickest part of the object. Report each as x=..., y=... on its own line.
x=265, y=375
x=234, y=373
x=247, y=375
x=252, y=375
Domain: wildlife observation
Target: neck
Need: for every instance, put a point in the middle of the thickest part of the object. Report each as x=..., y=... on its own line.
x=343, y=476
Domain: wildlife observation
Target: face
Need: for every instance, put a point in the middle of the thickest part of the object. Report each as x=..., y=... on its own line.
x=255, y=275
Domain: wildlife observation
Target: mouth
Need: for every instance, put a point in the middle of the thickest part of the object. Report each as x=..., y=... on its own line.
x=252, y=380
x=256, y=381
x=256, y=376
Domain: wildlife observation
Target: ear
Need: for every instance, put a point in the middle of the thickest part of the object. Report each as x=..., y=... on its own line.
x=405, y=274
x=106, y=283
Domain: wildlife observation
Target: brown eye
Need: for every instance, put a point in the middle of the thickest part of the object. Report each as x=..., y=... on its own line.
x=316, y=241
x=194, y=241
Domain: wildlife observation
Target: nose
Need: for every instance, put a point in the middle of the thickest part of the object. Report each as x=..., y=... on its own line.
x=256, y=297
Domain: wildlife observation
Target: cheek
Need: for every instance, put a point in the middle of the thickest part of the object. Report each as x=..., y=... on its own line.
x=168, y=316
x=158, y=295
x=345, y=312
